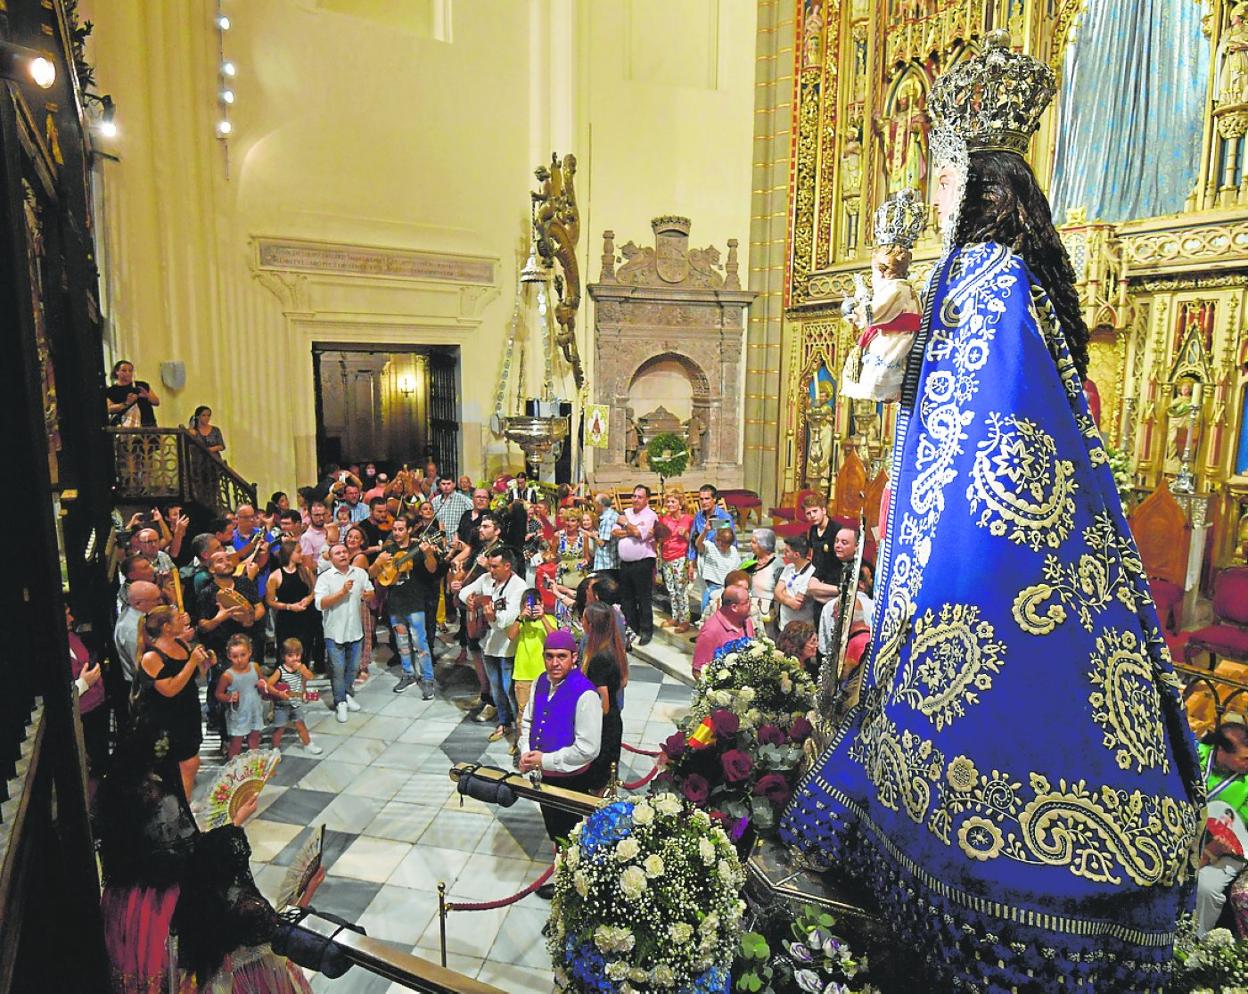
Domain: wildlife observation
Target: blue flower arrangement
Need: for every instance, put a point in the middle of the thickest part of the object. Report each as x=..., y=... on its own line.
x=647, y=901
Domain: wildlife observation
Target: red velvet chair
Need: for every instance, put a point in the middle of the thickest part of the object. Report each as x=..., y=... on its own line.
x=1168, y=597
x=1227, y=637
x=792, y=512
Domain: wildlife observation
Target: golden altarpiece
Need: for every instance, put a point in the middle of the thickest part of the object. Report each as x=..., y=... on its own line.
x=1166, y=297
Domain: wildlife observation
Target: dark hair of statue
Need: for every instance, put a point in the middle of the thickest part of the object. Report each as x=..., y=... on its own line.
x=1004, y=204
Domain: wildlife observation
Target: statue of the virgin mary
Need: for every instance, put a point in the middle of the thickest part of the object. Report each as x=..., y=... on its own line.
x=1017, y=785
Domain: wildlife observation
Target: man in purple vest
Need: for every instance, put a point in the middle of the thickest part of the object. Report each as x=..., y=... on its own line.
x=561, y=731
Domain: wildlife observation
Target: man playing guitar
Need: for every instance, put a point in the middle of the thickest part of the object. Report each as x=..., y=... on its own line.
x=499, y=595
x=417, y=565
x=485, y=539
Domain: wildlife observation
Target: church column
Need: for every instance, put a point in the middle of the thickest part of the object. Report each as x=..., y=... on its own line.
x=768, y=234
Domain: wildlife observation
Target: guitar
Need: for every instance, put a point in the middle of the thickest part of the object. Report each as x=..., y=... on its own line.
x=475, y=615
x=387, y=573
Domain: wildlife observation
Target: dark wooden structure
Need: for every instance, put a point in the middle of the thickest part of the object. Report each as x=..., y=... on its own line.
x=59, y=470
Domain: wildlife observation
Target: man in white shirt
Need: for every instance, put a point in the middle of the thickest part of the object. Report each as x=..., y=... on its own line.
x=499, y=595
x=791, y=593
x=635, y=530
x=338, y=596
x=561, y=730
x=142, y=597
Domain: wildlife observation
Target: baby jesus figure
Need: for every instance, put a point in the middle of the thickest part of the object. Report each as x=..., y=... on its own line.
x=890, y=320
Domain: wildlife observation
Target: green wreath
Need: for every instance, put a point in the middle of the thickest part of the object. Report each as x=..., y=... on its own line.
x=668, y=454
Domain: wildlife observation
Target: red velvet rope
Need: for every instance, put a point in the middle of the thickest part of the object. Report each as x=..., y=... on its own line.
x=643, y=781
x=640, y=752
x=504, y=901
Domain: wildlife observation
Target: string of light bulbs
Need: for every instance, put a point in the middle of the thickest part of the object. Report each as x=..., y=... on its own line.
x=226, y=71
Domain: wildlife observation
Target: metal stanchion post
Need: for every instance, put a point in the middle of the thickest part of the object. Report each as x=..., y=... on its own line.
x=442, y=916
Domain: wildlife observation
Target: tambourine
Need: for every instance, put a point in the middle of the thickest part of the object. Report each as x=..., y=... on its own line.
x=228, y=598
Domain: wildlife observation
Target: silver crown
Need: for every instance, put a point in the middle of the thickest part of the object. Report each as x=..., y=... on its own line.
x=994, y=100
x=899, y=220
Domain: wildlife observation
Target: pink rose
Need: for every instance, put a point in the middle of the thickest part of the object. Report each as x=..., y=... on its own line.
x=675, y=744
x=725, y=722
x=696, y=789
x=774, y=787
x=736, y=764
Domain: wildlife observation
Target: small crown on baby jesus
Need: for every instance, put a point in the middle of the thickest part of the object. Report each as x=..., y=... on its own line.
x=900, y=220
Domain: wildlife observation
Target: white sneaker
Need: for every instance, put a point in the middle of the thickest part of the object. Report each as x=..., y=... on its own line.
x=342, y=711
x=313, y=749
x=351, y=705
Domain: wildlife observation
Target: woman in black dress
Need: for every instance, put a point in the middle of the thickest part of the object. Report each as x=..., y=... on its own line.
x=289, y=595
x=168, y=695
x=601, y=664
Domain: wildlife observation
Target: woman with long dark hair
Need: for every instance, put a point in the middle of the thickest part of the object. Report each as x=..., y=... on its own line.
x=289, y=596
x=1016, y=785
x=605, y=662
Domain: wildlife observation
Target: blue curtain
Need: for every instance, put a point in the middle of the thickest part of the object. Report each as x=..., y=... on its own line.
x=1129, y=138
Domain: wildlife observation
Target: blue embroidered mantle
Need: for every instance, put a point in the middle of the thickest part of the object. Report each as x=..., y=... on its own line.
x=1017, y=785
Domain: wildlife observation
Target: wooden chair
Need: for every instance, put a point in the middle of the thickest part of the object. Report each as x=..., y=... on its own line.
x=850, y=492
x=1227, y=637
x=1163, y=536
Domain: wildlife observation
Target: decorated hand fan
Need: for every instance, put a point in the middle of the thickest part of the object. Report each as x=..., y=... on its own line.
x=301, y=870
x=239, y=782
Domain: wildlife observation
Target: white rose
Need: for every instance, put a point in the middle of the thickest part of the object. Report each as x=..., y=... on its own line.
x=681, y=932
x=700, y=817
x=572, y=857
x=654, y=865
x=706, y=850
x=747, y=694
x=722, y=675
x=786, y=685
x=726, y=872
x=709, y=924
x=643, y=814
x=617, y=970
x=730, y=659
x=663, y=975
x=638, y=974
x=581, y=883
x=603, y=939
x=626, y=849
x=754, y=715
x=667, y=804
x=633, y=882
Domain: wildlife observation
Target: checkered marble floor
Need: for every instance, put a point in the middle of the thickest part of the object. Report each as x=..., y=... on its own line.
x=395, y=826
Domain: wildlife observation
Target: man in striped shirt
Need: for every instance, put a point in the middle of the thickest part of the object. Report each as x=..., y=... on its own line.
x=449, y=506
x=607, y=548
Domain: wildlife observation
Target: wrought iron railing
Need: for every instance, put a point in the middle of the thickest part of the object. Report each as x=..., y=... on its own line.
x=172, y=464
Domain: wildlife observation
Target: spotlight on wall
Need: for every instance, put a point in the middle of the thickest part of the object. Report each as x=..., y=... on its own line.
x=223, y=22
x=227, y=96
x=103, y=113
x=228, y=69
x=25, y=64
x=224, y=128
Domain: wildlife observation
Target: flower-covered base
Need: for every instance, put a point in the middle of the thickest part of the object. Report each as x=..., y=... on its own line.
x=960, y=948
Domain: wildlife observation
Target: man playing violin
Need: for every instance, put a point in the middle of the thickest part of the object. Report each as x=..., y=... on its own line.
x=251, y=545
x=376, y=527
x=416, y=563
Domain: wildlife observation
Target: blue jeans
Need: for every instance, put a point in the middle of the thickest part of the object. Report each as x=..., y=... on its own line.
x=498, y=669
x=344, y=663
x=709, y=589
x=408, y=634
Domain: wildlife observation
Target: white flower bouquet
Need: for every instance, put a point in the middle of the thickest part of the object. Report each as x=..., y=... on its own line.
x=647, y=901
x=757, y=682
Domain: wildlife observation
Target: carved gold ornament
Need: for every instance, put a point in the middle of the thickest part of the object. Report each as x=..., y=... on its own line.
x=1026, y=492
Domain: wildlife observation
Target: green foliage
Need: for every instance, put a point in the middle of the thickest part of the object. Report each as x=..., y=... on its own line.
x=668, y=454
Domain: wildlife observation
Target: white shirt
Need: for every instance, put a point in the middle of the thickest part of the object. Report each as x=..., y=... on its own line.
x=126, y=638
x=342, y=622
x=795, y=583
x=587, y=744
x=511, y=593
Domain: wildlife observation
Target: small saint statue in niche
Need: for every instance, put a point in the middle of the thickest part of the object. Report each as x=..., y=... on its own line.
x=1232, y=59
x=890, y=318
x=632, y=438
x=1183, y=417
x=695, y=429
x=905, y=139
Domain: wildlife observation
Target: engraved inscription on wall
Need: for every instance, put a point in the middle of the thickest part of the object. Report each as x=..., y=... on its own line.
x=354, y=260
